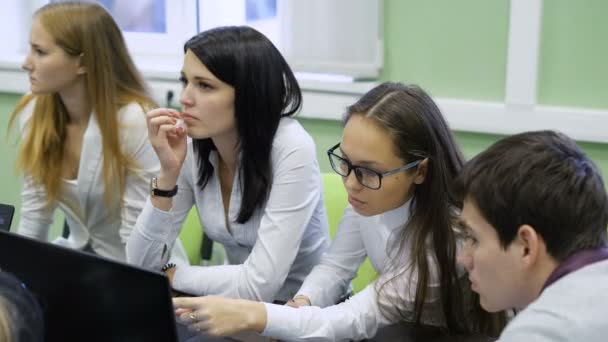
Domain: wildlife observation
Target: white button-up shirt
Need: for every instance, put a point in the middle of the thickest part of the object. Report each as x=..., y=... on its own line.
x=269, y=255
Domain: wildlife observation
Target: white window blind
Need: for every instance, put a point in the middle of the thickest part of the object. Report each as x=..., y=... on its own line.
x=333, y=36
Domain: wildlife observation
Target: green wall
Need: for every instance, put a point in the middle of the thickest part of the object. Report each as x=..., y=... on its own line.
x=573, y=54
x=457, y=49
x=453, y=49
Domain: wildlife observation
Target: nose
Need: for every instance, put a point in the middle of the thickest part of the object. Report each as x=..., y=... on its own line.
x=27, y=63
x=184, y=97
x=351, y=182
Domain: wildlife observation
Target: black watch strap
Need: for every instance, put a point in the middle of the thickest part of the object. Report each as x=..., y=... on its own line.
x=155, y=191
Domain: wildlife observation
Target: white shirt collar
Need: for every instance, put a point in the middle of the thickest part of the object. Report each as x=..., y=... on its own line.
x=396, y=218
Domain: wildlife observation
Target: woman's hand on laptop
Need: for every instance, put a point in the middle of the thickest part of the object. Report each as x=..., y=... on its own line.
x=219, y=316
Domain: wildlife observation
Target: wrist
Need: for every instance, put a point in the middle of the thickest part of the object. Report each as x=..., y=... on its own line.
x=255, y=316
x=169, y=271
x=167, y=179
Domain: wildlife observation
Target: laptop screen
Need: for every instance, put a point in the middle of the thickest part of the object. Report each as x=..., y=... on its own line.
x=85, y=297
x=6, y=216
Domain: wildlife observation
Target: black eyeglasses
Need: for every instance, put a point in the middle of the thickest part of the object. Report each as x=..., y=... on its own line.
x=367, y=177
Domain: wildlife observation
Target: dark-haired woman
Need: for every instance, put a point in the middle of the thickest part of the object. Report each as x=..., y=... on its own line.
x=250, y=169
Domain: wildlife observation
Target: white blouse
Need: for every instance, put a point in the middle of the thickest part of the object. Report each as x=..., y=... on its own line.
x=92, y=220
x=269, y=255
x=357, y=237
x=361, y=316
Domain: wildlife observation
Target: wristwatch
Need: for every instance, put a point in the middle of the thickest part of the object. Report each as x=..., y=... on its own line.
x=155, y=191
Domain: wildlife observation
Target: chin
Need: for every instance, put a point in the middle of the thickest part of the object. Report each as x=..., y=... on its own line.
x=489, y=307
x=197, y=135
x=366, y=211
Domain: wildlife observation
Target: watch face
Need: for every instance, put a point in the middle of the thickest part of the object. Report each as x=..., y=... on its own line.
x=152, y=186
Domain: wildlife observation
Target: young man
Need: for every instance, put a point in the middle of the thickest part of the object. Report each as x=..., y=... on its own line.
x=535, y=213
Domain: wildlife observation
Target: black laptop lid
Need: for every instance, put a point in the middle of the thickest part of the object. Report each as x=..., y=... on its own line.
x=6, y=216
x=86, y=297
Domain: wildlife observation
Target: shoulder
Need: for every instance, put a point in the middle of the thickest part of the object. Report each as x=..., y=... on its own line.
x=28, y=102
x=291, y=133
x=568, y=310
x=291, y=138
x=132, y=114
x=539, y=324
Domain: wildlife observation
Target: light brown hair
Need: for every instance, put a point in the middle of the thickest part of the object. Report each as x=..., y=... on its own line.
x=111, y=81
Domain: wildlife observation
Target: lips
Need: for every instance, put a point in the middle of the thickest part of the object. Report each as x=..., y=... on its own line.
x=188, y=117
x=473, y=285
x=355, y=202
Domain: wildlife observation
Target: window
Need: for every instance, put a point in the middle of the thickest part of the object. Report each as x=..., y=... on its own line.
x=314, y=35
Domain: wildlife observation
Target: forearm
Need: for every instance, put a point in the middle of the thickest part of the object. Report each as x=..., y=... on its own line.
x=152, y=238
x=325, y=285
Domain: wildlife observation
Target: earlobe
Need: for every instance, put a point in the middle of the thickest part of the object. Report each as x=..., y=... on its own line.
x=81, y=69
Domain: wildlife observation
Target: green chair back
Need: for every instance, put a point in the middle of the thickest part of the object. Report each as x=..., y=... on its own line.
x=191, y=236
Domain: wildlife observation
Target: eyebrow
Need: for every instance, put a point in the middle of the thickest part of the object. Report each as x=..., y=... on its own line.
x=366, y=163
x=198, y=78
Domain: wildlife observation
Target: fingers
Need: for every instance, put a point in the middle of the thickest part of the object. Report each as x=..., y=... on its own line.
x=180, y=311
x=292, y=304
x=189, y=317
x=163, y=112
x=186, y=302
x=160, y=117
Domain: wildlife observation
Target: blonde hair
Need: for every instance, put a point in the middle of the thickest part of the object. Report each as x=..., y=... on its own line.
x=111, y=80
x=6, y=332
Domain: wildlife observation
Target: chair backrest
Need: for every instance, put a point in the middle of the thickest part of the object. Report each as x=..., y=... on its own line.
x=335, y=199
x=191, y=237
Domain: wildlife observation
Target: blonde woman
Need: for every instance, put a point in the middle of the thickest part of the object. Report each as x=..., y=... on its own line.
x=84, y=139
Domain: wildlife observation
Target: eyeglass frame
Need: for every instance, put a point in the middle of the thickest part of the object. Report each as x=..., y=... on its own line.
x=380, y=175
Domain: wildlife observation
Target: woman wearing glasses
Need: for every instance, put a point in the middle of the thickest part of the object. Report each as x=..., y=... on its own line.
x=397, y=158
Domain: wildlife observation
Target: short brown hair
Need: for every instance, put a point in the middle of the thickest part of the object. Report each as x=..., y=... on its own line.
x=542, y=179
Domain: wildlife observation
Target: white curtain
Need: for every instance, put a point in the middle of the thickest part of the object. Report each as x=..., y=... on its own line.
x=333, y=36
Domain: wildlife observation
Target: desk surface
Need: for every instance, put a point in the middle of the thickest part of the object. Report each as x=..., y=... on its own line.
x=397, y=333
x=404, y=333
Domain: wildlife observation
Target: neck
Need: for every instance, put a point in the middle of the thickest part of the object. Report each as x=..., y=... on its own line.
x=75, y=101
x=227, y=150
x=545, y=266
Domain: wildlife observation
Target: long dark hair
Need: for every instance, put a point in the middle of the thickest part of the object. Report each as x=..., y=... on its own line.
x=265, y=91
x=419, y=131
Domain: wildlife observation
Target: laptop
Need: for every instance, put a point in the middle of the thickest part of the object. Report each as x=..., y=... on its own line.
x=6, y=216
x=85, y=297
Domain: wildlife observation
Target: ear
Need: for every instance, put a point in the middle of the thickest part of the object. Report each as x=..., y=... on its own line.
x=530, y=245
x=81, y=68
x=421, y=171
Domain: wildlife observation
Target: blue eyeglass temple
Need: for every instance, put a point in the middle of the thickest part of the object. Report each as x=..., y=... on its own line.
x=403, y=168
x=407, y=166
